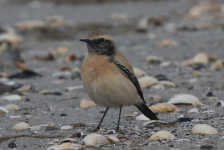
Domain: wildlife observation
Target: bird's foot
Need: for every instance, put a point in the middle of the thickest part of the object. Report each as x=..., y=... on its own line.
x=118, y=129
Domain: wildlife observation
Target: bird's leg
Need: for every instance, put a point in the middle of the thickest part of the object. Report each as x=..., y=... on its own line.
x=98, y=127
x=117, y=128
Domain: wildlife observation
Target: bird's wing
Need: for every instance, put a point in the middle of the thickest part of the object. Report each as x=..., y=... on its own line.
x=126, y=68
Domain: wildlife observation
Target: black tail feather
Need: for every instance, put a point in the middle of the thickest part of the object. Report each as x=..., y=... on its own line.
x=147, y=112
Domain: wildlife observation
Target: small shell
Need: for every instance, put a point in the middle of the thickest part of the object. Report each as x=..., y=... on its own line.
x=143, y=24
x=162, y=135
x=201, y=58
x=147, y=81
x=71, y=57
x=12, y=98
x=138, y=72
x=62, y=50
x=51, y=124
x=167, y=43
x=200, y=8
x=20, y=65
x=25, y=88
x=46, y=91
x=54, y=142
x=203, y=129
x=168, y=83
x=193, y=80
x=73, y=88
x=86, y=104
x=38, y=127
x=15, y=117
x=153, y=59
x=193, y=110
x=3, y=110
x=69, y=146
x=53, y=148
x=185, y=99
x=95, y=139
x=30, y=25
x=12, y=107
x=156, y=98
x=209, y=111
x=220, y=103
x=200, y=74
x=165, y=64
x=55, y=21
x=189, y=62
x=13, y=38
x=65, y=68
x=66, y=127
x=218, y=64
x=68, y=140
x=21, y=126
x=113, y=139
x=158, y=87
x=130, y=115
x=142, y=117
x=164, y=107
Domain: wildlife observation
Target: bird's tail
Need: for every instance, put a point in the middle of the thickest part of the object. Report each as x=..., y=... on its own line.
x=147, y=112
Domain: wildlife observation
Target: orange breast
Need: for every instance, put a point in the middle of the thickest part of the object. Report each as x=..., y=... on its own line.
x=105, y=83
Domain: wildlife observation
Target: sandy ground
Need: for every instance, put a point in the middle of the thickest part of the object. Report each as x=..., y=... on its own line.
x=42, y=109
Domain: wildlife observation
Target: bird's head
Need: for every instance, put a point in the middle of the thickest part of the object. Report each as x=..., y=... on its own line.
x=100, y=43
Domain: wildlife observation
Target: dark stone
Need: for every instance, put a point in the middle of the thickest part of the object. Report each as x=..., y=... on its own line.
x=12, y=145
x=198, y=66
x=209, y=94
x=184, y=119
x=26, y=113
x=51, y=128
x=162, y=77
x=25, y=74
x=57, y=93
x=206, y=147
x=63, y=114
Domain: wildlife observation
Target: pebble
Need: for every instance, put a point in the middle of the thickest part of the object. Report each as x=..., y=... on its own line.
x=63, y=114
x=184, y=119
x=51, y=128
x=12, y=145
x=206, y=147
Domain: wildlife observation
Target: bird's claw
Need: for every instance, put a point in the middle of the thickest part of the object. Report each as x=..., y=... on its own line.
x=117, y=129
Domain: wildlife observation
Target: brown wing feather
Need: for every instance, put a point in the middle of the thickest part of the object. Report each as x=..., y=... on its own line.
x=127, y=69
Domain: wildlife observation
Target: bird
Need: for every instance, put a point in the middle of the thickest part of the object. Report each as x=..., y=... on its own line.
x=10, y=55
x=108, y=77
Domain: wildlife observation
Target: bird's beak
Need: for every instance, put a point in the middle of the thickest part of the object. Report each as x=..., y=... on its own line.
x=86, y=40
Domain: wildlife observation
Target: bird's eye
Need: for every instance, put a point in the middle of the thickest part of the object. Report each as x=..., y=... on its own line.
x=101, y=39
